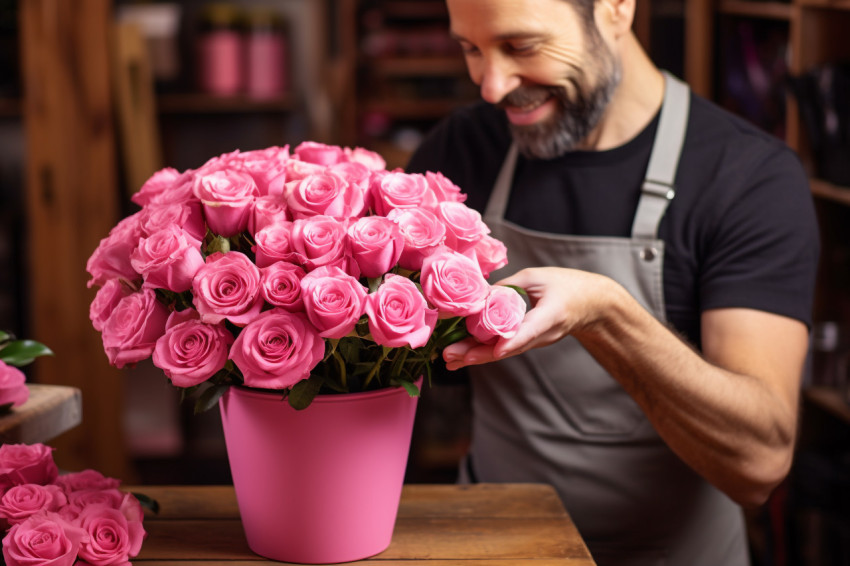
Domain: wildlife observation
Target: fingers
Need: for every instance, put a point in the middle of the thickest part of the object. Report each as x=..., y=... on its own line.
x=467, y=352
x=533, y=333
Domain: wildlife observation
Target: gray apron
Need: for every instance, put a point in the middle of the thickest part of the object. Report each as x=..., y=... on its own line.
x=554, y=415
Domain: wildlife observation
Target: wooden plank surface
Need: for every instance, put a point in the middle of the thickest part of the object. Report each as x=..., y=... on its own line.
x=72, y=202
x=437, y=524
x=50, y=411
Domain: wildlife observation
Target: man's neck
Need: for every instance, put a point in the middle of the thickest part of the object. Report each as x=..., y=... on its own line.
x=633, y=105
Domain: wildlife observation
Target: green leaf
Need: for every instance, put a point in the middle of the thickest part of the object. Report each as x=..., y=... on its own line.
x=303, y=392
x=147, y=502
x=5, y=337
x=411, y=388
x=330, y=347
x=455, y=335
x=218, y=244
x=23, y=352
x=209, y=398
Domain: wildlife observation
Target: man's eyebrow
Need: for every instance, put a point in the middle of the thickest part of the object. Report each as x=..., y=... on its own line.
x=506, y=36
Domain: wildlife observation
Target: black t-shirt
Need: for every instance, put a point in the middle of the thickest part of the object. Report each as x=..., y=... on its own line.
x=740, y=232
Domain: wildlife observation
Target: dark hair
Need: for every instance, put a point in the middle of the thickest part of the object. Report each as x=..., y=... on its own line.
x=584, y=8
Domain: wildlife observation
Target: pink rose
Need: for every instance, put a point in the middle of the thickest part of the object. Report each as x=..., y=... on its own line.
x=112, y=539
x=105, y=301
x=186, y=215
x=267, y=167
x=400, y=190
x=365, y=157
x=277, y=350
x=133, y=328
x=502, y=316
x=111, y=258
x=376, y=244
x=355, y=174
x=453, y=283
x=274, y=243
x=490, y=253
x=333, y=301
x=268, y=210
x=444, y=190
x=228, y=197
x=228, y=286
x=325, y=193
x=319, y=153
x=320, y=241
x=168, y=259
x=190, y=352
x=158, y=183
x=399, y=315
x=296, y=169
x=22, y=501
x=13, y=386
x=464, y=226
x=86, y=480
x=112, y=498
x=280, y=284
x=26, y=463
x=423, y=233
x=45, y=539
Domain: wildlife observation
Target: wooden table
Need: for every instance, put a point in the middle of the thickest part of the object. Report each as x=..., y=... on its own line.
x=49, y=411
x=483, y=524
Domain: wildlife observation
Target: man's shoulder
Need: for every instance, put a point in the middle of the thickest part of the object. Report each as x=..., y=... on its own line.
x=712, y=124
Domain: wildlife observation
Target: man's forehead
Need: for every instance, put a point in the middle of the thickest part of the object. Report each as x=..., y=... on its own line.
x=496, y=20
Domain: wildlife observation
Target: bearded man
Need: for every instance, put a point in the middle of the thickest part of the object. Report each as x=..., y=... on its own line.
x=669, y=251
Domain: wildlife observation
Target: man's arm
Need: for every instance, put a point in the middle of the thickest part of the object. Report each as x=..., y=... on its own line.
x=730, y=414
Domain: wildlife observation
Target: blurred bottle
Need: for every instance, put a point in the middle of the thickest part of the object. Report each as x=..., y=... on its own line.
x=220, y=48
x=159, y=23
x=266, y=53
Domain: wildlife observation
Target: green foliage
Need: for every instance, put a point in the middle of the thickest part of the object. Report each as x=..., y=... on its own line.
x=20, y=352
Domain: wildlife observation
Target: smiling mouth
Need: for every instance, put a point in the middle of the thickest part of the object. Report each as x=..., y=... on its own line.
x=531, y=113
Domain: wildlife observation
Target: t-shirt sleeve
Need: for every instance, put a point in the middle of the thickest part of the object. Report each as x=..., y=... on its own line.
x=762, y=251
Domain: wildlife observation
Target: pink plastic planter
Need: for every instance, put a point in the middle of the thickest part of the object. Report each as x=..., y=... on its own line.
x=320, y=485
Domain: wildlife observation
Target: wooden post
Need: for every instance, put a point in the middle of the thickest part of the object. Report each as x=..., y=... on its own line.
x=72, y=202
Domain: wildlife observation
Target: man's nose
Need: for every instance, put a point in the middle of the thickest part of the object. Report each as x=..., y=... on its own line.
x=498, y=78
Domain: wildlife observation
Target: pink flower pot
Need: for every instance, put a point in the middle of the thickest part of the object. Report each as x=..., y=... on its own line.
x=320, y=485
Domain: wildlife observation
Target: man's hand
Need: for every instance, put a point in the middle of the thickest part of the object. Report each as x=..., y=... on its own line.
x=564, y=301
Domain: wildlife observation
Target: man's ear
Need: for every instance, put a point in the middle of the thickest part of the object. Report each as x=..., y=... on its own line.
x=616, y=15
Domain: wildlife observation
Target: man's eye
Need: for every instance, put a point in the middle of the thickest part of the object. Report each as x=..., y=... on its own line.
x=468, y=49
x=520, y=48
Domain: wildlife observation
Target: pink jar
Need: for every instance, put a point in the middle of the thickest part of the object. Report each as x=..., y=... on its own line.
x=266, y=57
x=220, y=46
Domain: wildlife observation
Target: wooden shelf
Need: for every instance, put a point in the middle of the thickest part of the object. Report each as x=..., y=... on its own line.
x=198, y=103
x=823, y=189
x=10, y=107
x=415, y=9
x=417, y=66
x=829, y=399
x=829, y=4
x=50, y=411
x=414, y=109
x=756, y=9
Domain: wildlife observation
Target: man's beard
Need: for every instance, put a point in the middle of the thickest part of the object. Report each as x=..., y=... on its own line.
x=574, y=117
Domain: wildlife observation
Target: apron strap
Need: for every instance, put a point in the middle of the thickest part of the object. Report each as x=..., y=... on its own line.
x=658, y=186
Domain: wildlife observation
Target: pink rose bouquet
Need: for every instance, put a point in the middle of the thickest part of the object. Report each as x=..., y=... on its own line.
x=53, y=520
x=316, y=270
x=14, y=354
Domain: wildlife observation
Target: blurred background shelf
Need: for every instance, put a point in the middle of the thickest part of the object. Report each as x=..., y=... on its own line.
x=10, y=107
x=200, y=103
